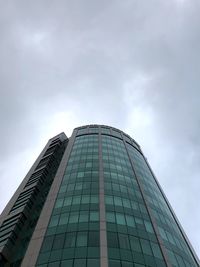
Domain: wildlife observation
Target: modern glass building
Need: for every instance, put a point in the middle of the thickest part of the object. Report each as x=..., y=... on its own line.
x=92, y=201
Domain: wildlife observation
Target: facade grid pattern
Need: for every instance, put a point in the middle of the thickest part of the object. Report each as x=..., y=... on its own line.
x=104, y=208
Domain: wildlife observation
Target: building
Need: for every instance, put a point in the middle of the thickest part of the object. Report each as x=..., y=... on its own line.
x=92, y=201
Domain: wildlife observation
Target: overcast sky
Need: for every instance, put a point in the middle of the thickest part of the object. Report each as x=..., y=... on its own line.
x=134, y=65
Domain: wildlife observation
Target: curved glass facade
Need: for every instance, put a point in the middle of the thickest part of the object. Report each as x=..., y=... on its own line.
x=105, y=208
x=110, y=205
x=72, y=236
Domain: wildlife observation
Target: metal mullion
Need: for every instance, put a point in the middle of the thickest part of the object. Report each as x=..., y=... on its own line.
x=160, y=242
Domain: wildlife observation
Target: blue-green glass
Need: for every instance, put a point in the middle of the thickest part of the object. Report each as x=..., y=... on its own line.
x=72, y=237
x=130, y=235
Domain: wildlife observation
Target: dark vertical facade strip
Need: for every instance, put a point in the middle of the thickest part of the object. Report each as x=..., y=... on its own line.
x=8, y=207
x=5, y=214
x=32, y=253
x=19, y=218
x=150, y=213
x=174, y=216
x=103, y=236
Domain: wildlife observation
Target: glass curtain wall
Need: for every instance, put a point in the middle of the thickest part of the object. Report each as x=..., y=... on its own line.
x=140, y=227
x=72, y=237
x=130, y=234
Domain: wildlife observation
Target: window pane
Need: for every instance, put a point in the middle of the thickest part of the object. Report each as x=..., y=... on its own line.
x=115, y=187
x=110, y=217
x=112, y=240
x=73, y=217
x=123, y=241
x=59, y=241
x=88, y=165
x=94, y=199
x=63, y=189
x=94, y=216
x=117, y=201
x=68, y=263
x=80, y=262
x=109, y=200
x=85, y=199
x=83, y=216
x=172, y=257
x=126, y=203
x=93, y=263
x=70, y=187
x=54, y=264
x=54, y=221
x=120, y=219
x=146, y=247
x=78, y=186
x=67, y=201
x=59, y=203
x=156, y=251
x=138, y=221
x=130, y=221
x=76, y=200
x=93, y=240
x=134, y=205
x=135, y=244
x=162, y=233
x=148, y=227
x=64, y=218
x=70, y=240
x=127, y=264
x=114, y=263
x=47, y=244
x=81, y=240
x=80, y=174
